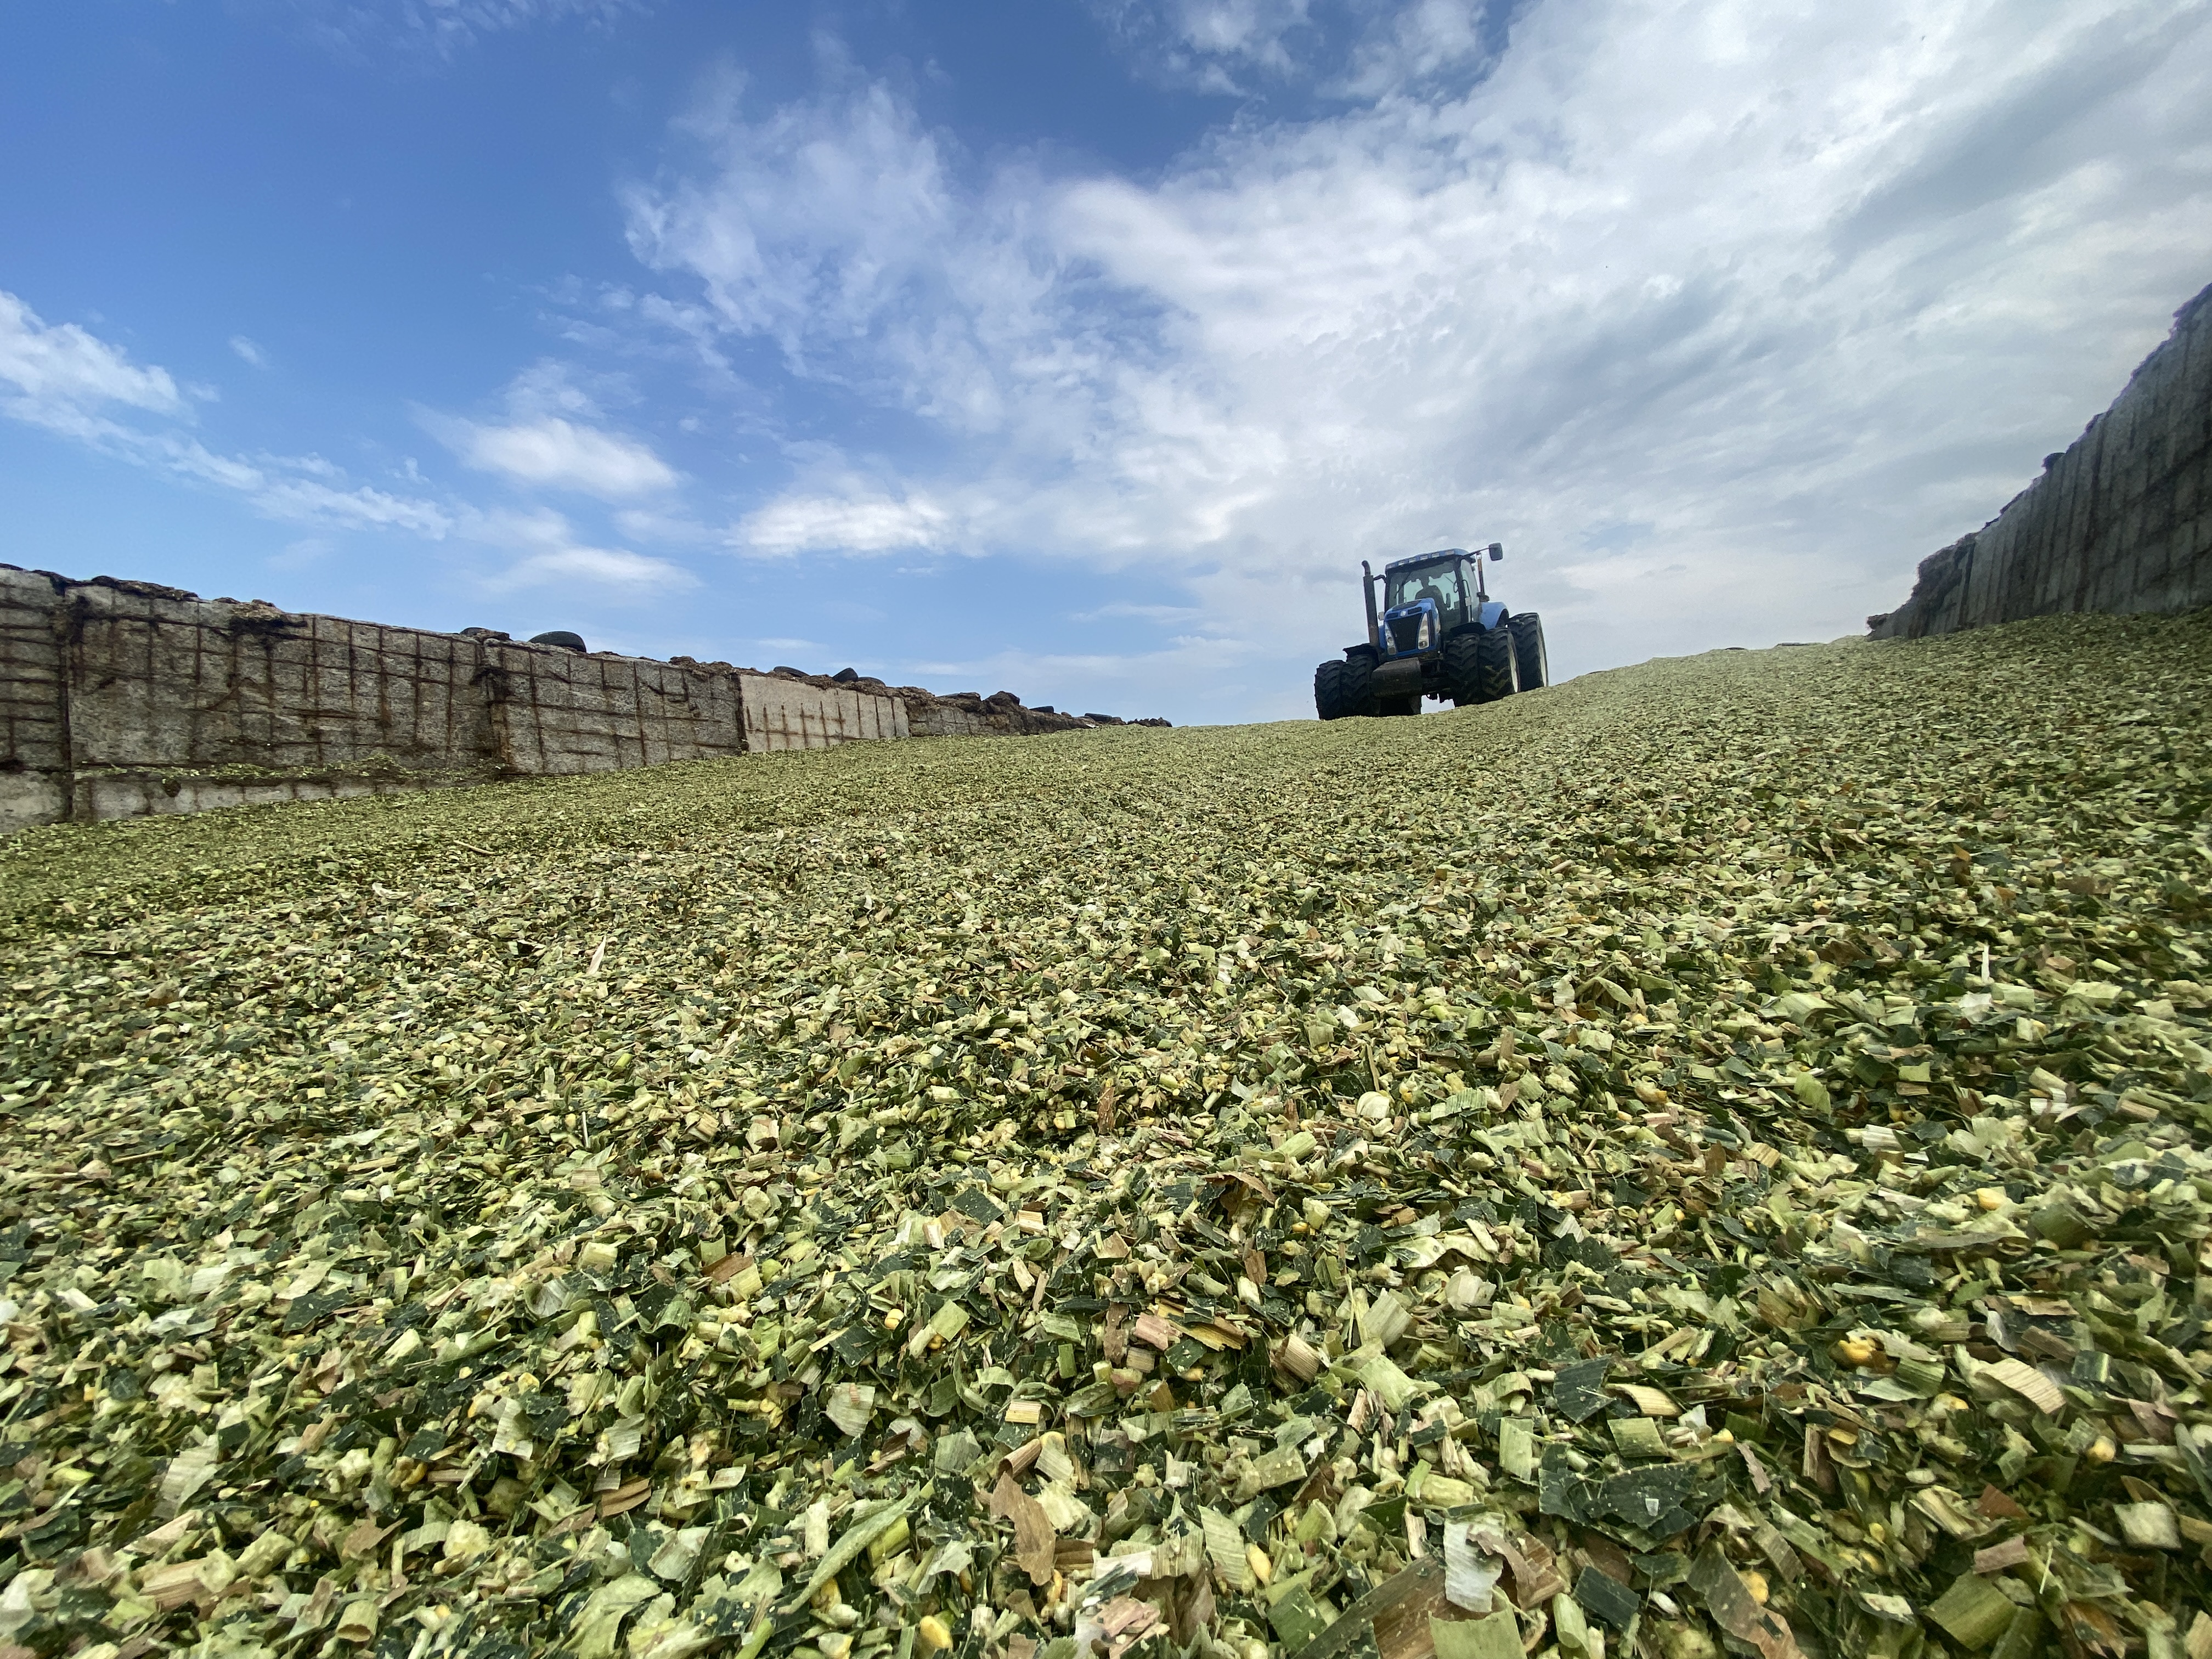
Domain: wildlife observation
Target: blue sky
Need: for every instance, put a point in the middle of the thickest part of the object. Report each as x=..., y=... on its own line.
x=1081, y=347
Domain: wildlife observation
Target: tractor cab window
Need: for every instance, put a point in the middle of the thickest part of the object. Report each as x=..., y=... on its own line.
x=1439, y=582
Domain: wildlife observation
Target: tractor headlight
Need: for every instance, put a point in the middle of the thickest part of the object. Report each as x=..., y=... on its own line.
x=1421, y=643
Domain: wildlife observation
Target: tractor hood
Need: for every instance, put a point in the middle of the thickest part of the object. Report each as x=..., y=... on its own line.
x=1410, y=629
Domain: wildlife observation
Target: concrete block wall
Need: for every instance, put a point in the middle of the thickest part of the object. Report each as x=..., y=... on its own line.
x=556, y=712
x=33, y=703
x=966, y=715
x=945, y=719
x=2122, y=521
x=162, y=680
x=784, y=714
x=122, y=699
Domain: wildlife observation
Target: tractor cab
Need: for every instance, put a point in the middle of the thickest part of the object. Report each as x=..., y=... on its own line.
x=1427, y=597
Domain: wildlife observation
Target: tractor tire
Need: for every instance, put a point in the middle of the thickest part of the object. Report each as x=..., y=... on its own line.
x=1344, y=687
x=1481, y=667
x=1328, y=690
x=1462, y=678
x=1497, y=672
x=1528, y=656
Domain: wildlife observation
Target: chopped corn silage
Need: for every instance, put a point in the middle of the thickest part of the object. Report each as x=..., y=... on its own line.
x=1711, y=1155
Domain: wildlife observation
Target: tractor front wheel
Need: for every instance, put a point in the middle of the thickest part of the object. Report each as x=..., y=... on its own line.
x=1328, y=691
x=1344, y=687
x=1528, y=656
x=1461, y=679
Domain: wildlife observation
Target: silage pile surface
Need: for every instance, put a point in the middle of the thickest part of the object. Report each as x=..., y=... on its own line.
x=1712, y=1156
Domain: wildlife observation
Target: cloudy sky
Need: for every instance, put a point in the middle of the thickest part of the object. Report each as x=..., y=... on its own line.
x=1081, y=347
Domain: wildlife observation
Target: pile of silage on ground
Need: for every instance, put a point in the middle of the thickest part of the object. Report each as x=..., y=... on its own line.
x=1714, y=1154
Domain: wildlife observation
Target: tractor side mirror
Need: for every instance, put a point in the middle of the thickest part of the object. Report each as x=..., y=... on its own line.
x=1497, y=551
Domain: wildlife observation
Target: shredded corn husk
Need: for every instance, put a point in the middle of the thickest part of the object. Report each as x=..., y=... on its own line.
x=1719, y=1148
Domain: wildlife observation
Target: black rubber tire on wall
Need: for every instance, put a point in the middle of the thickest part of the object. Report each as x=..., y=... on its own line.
x=1461, y=671
x=1344, y=687
x=1497, y=671
x=1528, y=654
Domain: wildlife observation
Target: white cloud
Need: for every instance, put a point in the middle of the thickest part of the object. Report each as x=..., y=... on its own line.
x=72, y=382
x=632, y=574
x=57, y=373
x=547, y=442
x=441, y=27
x=811, y=222
x=552, y=557
x=1416, y=42
x=806, y=524
x=549, y=387
x=1120, y=609
x=837, y=229
x=310, y=501
x=248, y=351
x=1208, y=42
x=1343, y=49
x=1808, y=292
x=560, y=455
x=294, y=490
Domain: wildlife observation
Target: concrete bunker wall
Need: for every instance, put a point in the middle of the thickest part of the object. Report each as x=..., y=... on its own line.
x=122, y=699
x=781, y=713
x=559, y=712
x=34, y=752
x=158, y=681
x=2120, y=522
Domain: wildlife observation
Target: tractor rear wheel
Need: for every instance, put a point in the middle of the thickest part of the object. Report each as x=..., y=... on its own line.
x=1528, y=631
x=1481, y=667
x=1496, y=672
x=1344, y=687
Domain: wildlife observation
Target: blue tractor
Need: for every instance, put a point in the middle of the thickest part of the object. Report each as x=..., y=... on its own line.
x=1440, y=635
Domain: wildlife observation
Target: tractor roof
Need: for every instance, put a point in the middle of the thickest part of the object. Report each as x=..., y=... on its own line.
x=1440, y=555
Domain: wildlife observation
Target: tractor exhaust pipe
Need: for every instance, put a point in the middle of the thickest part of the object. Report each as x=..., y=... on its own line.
x=1367, y=588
